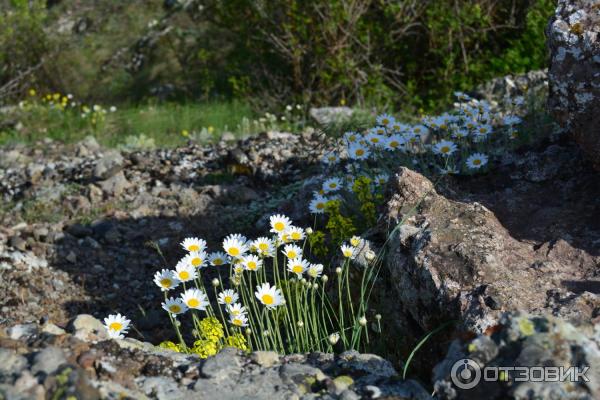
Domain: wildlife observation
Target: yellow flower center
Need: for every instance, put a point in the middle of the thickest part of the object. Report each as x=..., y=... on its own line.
x=193, y=303
x=297, y=269
x=279, y=226
x=291, y=254
x=227, y=299
x=347, y=253
x=482, y=130
x=476, y=162
x=235, y=312
x=175, y=308
x=183, y=275
x=165, y=282
x=237, y=322
x=375, y=140
x=360, y=152
x=296, y=235
x=445, y=149
x=394, y=144
x=217, y=261
x=267, y=299
x=193, y=247
x=443, y=126
x=115, y=326
x=354, y=242
x=417, y=130
x=252, y=265
x=332, y=185
x=263, y=246
x=196, y=261
x=320, y=206
x=234, y=251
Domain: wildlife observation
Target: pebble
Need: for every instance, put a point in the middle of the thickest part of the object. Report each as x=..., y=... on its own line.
x=48, y=360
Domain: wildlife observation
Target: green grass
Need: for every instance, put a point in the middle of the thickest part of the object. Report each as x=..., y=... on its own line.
x=164, y=124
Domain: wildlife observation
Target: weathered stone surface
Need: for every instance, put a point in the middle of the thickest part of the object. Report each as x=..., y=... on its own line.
x=524, y=340
x=458, y=261
x=574, y=76
x=328, y=115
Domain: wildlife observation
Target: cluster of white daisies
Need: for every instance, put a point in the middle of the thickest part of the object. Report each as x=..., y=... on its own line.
x=241, y=255
x=450, y=138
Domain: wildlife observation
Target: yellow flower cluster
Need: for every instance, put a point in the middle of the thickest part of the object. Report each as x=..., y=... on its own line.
x=211, y=329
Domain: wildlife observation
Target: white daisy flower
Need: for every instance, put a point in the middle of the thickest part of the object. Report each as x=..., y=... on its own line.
x=292, y=251
x=297, y=266
x=252, y=262
x=296, y=233
x=356, y=151
x=382, y=179
x=412, y=138
x=269, y=295
x=419, y=130
x=218, y=258
x=228, y=296
x=116, y=326
x=448, y=171
x=385, y=119
x=375, y=139
x=236, y=309
x=477, y=160
x=460, y=133
x=196, y=259
x=352, y=137
x=379, y=130
x=482, y=131
x=317, y=204
x=395, y=142
x=355, y=241
x=315, y=270
x=444, y=147
x=394, y=126
x=240, y=320
x=194, y=244
x=331, y=185
x=348, y=251
x=174, y=306
x=330, y=158
x=185, y=271
x=511, y=120
x=235, y=245
x=165, y=280
x=195, y=298
x=263, y=246
x=279, y=223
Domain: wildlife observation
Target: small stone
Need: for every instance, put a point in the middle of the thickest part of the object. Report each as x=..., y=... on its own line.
x=265, y=358
x=226, y=363
x=342, y=383
x=111, y=163
x=48, y=360
x=40, y=233
x=115, y=185
x=18, y=243
x=86, y=327
x=71, y=257
x=21, y=331
x=11, y=362
x=53, y=329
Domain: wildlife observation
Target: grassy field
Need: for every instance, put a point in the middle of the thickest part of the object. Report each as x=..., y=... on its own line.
x=162, y=125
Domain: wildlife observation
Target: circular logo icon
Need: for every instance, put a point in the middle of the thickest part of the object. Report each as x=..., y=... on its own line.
x=465, y=373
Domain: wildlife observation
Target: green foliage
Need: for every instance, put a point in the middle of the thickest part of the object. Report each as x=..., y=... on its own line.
x=339, y=226
x=363, y=189
x=409, y=53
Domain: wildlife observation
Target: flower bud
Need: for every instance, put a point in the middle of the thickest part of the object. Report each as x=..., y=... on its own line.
x=378, y=317
x=300, y=324
x=370, y=255
x=324, y=278
x=338, y=270
x=215, y=282
x=315, y=286
x=303, y=281
x=334, y=338
x=363, y=321
x=309, y=231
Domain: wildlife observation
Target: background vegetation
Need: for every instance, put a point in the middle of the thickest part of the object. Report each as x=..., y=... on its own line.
x=258, y=56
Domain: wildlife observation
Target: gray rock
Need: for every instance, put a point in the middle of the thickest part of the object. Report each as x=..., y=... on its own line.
x=86, y=327
x=265, y=358
x=115, y=185
x=22, y=331
x=48, y=360
x=11, y=363
x=329, y=115
x=574, y=76
x=53, y=329
x=163, y=388
x=223, y=365
x=18, y=243
x=107, y=166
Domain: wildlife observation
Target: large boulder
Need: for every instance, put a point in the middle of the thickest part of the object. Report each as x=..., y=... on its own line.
x=574, y=75
x=453, y=259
